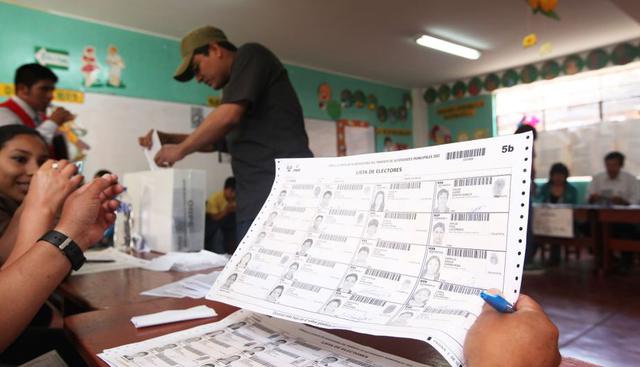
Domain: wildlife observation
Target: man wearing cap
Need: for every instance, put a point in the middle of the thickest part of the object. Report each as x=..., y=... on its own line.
x=260, y=117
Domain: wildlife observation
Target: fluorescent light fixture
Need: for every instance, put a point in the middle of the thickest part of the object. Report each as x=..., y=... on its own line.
x=448, y=47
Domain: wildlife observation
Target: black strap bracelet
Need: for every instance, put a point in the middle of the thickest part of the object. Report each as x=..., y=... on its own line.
x=68, y=247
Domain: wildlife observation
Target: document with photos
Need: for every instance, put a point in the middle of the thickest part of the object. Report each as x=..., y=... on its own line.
x=396, y=244
x=250, y=340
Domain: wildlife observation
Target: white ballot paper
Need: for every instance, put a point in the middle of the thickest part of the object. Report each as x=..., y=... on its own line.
x=150, y=154
x=247, y=339
x=396, y=244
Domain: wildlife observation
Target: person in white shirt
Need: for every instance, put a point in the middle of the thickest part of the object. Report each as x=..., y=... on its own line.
x=614, y=186
x=34, y=86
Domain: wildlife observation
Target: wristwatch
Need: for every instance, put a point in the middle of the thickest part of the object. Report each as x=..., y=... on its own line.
x=69, y=248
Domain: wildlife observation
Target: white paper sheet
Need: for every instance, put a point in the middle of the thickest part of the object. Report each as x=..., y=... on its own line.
x=107, y=260
x=250, y=340
x=363, y=243
x=553, y=221
x=49, y=359
x=150, y=154
x=169, y=316
x=360, y=140
x=195, y=286
x=186, y=261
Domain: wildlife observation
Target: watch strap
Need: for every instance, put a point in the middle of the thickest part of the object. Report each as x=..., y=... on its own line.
x=69, y=248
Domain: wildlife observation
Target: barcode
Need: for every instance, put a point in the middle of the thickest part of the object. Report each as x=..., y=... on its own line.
x=267, y=251
x=470, y=217
x=406, y=185
x=302, y=187
x=194, y=350
x=306, y=286
x=368, y=300
x=343, y=212
x=256, y=274
x=261, y=361
x=401, y=215
x=446, y=311
x=469, y=153
x=473, y=181
x=297, y=209
x=457, y=288
x=321, y=262
x=394, y=245
x=383, y=274
x=467, y=252
x=350, y=187
x=308, y=346
x=222, y=344
x=333, y=237
x=287, y=353
x=283, y=230
x=245, y=337
x=359, y=363
x=263, y=328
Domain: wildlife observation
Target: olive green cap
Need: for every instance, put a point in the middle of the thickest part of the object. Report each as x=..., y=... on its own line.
x=195, y=39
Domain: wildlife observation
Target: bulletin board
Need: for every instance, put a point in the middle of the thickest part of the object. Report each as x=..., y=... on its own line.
x=322, y=137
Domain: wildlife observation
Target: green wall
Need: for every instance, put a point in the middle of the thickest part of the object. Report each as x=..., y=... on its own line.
x=150, y=63
x=461, y=119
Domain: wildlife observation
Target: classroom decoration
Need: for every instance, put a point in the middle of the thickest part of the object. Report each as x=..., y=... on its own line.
x=55, y=59
x=381, y=112
x=529, y=74
x=406, y=100
x=372, y=102
x=459, y=89
x=90, y=67
x=440, y=134
x=359, y=98
x=341, y=136
x=334, y=109
x=475, y=86
x=544, y=7
x=529, y=40
x=550, y=69
x=115, y=64
x=619, y=54
x=324, y=95
x=545, y=49
x=481, y=134
x=403, y=113
x=346, y=98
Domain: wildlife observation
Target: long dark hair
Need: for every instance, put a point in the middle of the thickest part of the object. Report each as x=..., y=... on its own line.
x=559, y=168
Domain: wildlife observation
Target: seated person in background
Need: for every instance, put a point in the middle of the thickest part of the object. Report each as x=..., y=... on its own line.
x=614, y=186
x=557, y=191
x=221, y=215
x=526, y=337
x=35, y=267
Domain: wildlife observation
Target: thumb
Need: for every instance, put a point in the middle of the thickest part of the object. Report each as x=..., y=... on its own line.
x=526, y=303
x=98, y=185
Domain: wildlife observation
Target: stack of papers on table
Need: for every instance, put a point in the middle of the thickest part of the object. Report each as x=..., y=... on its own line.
x=195, y=286
x=186, y=261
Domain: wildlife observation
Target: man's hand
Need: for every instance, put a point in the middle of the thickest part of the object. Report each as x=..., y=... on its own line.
x=526, y=337
x=146, y=141
x=60, y=116
x=168, y=155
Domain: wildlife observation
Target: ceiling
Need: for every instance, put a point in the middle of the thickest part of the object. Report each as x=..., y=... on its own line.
x=374, y=39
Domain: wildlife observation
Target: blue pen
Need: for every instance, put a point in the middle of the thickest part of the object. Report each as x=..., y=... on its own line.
x=80, y=166
x=496, y=301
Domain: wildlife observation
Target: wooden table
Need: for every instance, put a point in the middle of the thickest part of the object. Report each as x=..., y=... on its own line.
x=610, y=216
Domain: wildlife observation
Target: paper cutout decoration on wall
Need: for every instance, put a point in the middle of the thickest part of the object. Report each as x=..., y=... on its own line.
x=393, y=113
x=491, y=82
x=73, y=134
x=623, y=54
x=324, y=95
x=529, y=40
x=403, y=113
x=440, y=134
x=390, y=146
x=545, y=7
x=572, y=65
x=334, y=110
x=381, y=112
x=459, y=89
x=90, y=67
x=481, y=134
x=372, y=102
x=475, y=86
x=341, y=136
x=346, y=98
x=116, y=65
x=550, y=70
x=529, y=74
x=430, y=95
x=462, y=136
x=359, y=98
x=545, y=49
x=444, y=92
x=597, y=59
x=510, y=78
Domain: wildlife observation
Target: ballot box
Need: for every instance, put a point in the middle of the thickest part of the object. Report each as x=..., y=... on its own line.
x=168, y=207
